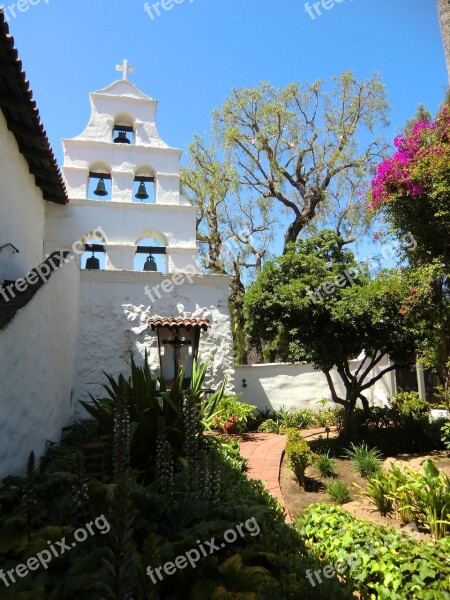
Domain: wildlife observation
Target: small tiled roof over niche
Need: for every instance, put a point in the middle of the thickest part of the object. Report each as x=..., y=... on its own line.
x=187, y=323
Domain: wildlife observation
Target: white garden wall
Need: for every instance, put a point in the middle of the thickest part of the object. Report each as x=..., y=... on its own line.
x=37, y=358
x=114, y=320
x=298, y=385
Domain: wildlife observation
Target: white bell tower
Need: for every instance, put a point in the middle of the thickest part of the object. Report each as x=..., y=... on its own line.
x=110, y=169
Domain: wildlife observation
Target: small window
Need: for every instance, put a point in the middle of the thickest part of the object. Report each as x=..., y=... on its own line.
x=99, y=187
x=123, y=134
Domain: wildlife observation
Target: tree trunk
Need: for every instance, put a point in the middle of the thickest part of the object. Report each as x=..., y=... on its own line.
x=349, y=430
x=236, y=303
x=444, y=19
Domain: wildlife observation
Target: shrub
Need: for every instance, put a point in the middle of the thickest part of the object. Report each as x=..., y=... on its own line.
x=299, y=456
x=367, y=461
x=339, y=492
x=445, y=434
x=382, y=562
x=411, y=404
x=325, y=464
x=270, y=426
x=229, y=409
x=378, y=492
x=423, y=497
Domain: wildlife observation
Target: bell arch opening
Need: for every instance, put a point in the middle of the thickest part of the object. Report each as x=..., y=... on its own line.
x=99, y=181
x=151, y=255
x=144, y=189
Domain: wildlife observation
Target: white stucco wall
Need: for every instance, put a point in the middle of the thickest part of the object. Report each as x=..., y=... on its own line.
x=125, y=224
x=37, y=358
x=296, y=386
x=22, y=210
x=114, y=314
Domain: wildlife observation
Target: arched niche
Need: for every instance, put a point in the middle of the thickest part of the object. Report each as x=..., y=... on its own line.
x=154, y=239
x=144, y=181
x=99, y=178
x=123, y=129
x=93, y=238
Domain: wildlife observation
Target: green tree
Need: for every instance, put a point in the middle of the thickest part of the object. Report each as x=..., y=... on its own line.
x=316, y=304
x=277, y=154
x=411, y=189
x=298, y=147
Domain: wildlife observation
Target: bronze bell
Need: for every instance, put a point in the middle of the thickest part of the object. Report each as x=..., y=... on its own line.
x=150, y=264
x=142, y=192
x=93, y=263
x=121, y=138
x=100, y=190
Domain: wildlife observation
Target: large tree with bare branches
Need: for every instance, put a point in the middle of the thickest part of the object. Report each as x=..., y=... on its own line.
x=444, y=19
x=301, y=148
x=279, y=163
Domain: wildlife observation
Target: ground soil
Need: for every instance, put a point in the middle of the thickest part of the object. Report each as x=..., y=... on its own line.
x=298, y=499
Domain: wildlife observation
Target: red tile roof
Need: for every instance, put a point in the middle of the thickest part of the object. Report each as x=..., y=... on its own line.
x=23, y=120
x=170, y=322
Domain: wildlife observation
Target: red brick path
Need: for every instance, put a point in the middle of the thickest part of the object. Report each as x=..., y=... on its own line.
x=264, y=452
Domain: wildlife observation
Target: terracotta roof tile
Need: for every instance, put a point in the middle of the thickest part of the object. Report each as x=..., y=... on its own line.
x=23, y=120
x=170, y=322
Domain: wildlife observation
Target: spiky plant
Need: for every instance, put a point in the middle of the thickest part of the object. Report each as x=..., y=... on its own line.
x=122, y=578
x=121, y=433
x=80, y=490
x=29, y=493
x=164, y=460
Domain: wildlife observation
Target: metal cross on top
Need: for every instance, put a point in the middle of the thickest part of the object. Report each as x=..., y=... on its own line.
x=125, y=69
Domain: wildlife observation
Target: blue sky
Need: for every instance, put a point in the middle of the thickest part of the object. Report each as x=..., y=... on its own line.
x=191, y=56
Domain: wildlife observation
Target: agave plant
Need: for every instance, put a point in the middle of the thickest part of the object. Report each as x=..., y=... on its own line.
x=148, y=401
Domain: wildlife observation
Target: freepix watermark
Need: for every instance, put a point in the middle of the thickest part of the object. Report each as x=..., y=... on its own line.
x=314, y=9
x=349, y=275
x=154, y=10
x=204, y=549
x=44, y=270
x=54, y=550
x=13, y=10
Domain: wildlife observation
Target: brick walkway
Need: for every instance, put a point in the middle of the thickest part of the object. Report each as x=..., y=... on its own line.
x=264, y=452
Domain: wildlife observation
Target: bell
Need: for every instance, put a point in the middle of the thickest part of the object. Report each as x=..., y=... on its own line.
x=142, y=192
x=92, y=263
x=150, y=264
x=100, y=190
x=122, y=138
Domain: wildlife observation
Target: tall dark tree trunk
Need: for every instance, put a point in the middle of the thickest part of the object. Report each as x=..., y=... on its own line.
x=236, y=303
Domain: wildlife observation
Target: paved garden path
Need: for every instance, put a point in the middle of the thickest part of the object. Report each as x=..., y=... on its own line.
x=264, y=452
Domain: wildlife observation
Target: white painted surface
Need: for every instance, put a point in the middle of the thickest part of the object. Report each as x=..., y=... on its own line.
x=37, y=363
x=298, y=385
x=22, y=210
x=114, y=319
x=171, y=219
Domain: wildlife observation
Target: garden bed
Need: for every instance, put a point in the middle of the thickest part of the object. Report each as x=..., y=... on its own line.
x=297, y=499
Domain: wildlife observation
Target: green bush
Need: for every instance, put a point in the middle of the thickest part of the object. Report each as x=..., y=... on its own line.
x=270, y=426
x=339, y=492
x=367, y=461
x=230, y=410
x=325, y=464
x=445, y=434
x=299, y=455
x=383, y=563
x=411, y=404
x=424, y=497
x=378, y=491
